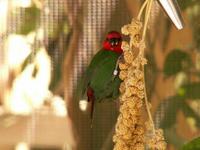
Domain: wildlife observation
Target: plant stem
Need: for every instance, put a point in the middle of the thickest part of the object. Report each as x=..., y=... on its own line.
x=141, y=10
x=147, y=104
x=147, y=14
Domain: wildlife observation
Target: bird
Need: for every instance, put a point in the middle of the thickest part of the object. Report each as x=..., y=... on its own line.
x=101, y=80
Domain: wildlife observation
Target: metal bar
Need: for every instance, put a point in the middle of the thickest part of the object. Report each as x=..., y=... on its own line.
x=172, y=9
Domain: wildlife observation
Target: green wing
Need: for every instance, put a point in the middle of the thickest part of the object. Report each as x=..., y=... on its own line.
x=110, y=92
x=102, y=81
x=97, y=59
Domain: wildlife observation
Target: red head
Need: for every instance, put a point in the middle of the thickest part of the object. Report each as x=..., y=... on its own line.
x=113, y=42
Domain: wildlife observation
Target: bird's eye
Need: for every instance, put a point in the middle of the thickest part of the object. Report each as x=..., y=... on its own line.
x=114, y=41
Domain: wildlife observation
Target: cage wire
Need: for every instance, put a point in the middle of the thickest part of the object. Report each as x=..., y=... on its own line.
x=48, y=22
x=93, y=18
x=99, y=17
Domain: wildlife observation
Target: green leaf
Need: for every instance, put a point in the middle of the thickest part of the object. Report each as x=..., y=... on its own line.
x=169, y=108
x=190, y=91
x=193, y=15
x=184, y=4
x=172, y=137
x=192, y=145
x=176, y=61
x=29, y=20
x=190, y=113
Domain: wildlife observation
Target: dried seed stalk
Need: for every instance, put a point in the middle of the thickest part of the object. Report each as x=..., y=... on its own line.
x=130, y=133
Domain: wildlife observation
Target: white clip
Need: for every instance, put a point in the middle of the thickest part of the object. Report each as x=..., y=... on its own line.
x=115, y=72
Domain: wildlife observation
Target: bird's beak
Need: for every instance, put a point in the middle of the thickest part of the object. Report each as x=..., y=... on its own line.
x=172, y=9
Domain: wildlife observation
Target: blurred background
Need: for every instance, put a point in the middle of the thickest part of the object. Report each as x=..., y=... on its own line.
x=45, y=46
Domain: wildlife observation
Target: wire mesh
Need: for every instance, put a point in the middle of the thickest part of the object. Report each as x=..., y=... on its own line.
x=99, y=17
x=71, y=32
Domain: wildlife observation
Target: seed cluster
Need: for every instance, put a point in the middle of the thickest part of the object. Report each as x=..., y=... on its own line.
x=130, y=131
x=130, y=134
x=157, y=142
